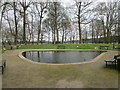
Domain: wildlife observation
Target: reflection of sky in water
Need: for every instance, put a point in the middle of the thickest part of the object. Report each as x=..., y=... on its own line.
x=61, y=56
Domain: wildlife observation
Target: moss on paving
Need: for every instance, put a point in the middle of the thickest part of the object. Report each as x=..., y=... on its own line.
x=23, y=74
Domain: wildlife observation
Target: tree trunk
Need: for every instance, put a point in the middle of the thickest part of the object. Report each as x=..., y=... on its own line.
x=79, y=20
x=32, y=31
x=93, y=34
x=86, y=36
x=107, y=28
x=15, y=18
x=10, y=27
x=108, y=35
x=24, y=24
x=57, y=33
x=1, y=19
x=97, y=36
x=39, y=30
x=63, y=36
x=54, y=36
x=2, y=12
x=41, y=38
x=40, y=22
x=104, y=31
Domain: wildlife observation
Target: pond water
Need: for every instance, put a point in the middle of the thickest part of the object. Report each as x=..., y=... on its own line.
x=60, y=57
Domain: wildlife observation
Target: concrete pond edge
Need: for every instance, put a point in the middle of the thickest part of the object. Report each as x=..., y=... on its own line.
x=91, y=61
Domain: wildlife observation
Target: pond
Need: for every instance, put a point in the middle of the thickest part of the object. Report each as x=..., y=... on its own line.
x=61, y=57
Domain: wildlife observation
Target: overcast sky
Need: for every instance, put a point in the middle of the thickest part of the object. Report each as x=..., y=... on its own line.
x=68, y=3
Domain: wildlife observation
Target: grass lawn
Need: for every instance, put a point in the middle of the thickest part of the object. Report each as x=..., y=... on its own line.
x=67, y=46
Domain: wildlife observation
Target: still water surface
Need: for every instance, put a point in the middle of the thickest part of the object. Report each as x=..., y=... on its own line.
x=61, y=57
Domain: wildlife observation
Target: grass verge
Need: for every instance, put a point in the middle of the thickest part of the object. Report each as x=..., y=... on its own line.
x=67, y=46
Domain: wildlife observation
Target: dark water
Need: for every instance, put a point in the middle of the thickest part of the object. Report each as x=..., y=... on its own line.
x=61, y=57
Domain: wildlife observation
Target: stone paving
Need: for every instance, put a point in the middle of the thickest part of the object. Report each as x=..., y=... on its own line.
x=20, y=73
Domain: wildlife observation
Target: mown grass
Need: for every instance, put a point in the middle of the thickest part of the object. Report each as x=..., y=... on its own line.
x=67, y=46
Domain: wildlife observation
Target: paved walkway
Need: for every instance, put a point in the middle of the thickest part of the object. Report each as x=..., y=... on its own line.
x=20, y=73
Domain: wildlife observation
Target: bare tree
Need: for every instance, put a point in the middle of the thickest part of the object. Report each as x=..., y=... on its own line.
x=106, y=12
x=24, y=6
x=42, y=6
x=81, y=10
x=15, y=19
x=56, y=18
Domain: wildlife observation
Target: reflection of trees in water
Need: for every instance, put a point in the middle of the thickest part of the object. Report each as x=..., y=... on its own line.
x=60, y=56
x=24, y=54
x=30, y=55
x=55, y=56
x=38, y=53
